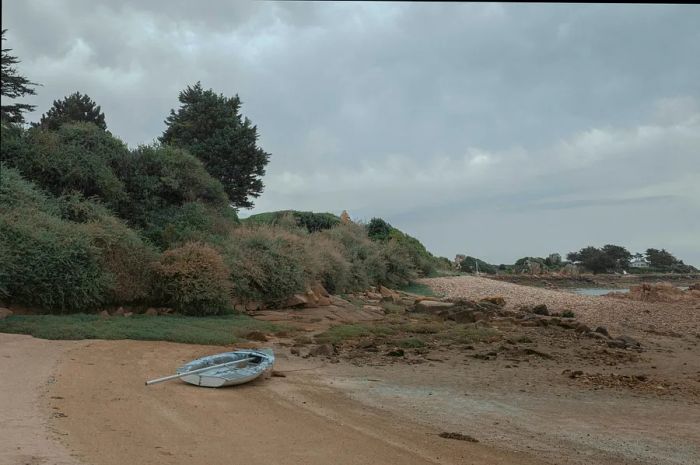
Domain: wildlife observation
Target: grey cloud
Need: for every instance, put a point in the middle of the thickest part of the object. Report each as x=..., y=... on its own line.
x=450, y=113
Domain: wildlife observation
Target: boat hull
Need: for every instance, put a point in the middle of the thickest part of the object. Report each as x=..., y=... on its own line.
x=263, y=359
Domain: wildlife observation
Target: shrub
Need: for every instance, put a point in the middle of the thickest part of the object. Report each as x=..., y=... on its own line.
x=157, y=177
x=48, y=263
x=192, y=222
x=310, y=221
x=193, y=279
x=77, y=157
x=267, y=263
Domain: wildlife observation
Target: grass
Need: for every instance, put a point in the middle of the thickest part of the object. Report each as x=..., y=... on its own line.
x=340, y=333
x=409, y=343
x=215, y=330
x=470, y=333
x=419, y=289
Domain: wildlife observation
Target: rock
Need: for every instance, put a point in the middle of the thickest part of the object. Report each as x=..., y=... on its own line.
x=323, y=350
x=595, y=335
x=432, y=306
x=582, y=328
x=324, y=301
x=118, y=312
x=294, y=351
x=602, y=330
x=103, y=314
x=339, y=302
x=5, y=312
x=256, y=336
x=630, y=342
x=496, y=300
x=395, y=352
x=373, y=296
x=165, y=311
x=372, y=308
x=463, y=316
x=278, y=374
x=151, y=312
x=319, y=290
x=295, y=301
x=128, y=314
x=253, y=306
x=540, y=309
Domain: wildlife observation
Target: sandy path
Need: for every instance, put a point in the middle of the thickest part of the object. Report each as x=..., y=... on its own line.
x=616, y=314
x=27, y=365
x=112, y=418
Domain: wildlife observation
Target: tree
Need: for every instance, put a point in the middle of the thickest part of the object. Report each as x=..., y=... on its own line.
x=13, y=85
x=74, y=108
x=211, y=127
x=618, y=254
x=660, y=258
x=593, y=259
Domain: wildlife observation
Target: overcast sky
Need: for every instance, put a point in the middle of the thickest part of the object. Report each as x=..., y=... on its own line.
x=496, y=130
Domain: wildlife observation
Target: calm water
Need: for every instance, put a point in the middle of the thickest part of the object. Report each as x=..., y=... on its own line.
x=602, y=291
x=596, y=290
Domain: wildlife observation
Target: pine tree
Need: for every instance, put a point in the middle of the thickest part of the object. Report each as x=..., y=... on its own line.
x=211, y=127
x=74, y=108
x=13, y=85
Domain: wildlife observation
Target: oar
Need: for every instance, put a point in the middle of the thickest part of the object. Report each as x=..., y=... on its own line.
x=198, y=370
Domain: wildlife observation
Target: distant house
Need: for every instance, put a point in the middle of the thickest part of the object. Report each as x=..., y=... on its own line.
x=639, y=263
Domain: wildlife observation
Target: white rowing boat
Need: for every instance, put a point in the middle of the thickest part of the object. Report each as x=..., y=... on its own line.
x=225, y=369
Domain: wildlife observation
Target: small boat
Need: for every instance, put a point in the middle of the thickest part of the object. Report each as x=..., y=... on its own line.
x=240, y=366
x=225, y=369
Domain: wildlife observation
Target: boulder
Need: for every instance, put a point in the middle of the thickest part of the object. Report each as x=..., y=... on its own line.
x=372, y=308
x=104, y=314
x=323, y=350
x=602, y=330
x=540, y=309
x=388, y=294
x=324, y=301
x=319, y=290
x=396, y=352
x=128, y=314
x=373, y=296
x=432, y=306
x=119, y=312
x=496, y=300
x=151, y=312
x=253, y=306
x=4, y=313
x=295, y=301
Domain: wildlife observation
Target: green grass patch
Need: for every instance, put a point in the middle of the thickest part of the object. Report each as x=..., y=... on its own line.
x=214, y=330
x=341, y=333
x=470, y=333
x=419, y=289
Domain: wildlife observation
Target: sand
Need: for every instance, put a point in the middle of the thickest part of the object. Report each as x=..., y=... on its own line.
x=105, y=415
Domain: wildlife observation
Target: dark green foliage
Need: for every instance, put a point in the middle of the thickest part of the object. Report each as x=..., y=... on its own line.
x=213, y=330
x=160, y=177
x=211, y=127
x=469, y=265
x=12, y=86
x=77, y=157
x=311, y=221
x=619, y=255
x=378, y=229
x=47, y=262
x=76, y=108
x=608, y=258
x=660, y=258
x=194, y=280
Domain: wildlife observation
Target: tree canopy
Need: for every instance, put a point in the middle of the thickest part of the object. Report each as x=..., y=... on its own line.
x=12, y=86
x=75, y=108
x=210, y=126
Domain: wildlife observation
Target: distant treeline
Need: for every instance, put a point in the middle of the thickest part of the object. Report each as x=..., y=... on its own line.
x=607, y=259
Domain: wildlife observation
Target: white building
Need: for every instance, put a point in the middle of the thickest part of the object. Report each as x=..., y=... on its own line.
x=639, y=263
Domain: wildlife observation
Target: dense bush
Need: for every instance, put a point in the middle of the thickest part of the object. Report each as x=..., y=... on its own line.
x=469, y=265
x=267, y=263
x=47, y=262
x=367, y=265
x=158, y=177
x=193, y=279
x=77, y=157
x=312, y=222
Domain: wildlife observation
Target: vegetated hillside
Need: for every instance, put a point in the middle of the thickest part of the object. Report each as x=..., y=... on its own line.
x=87, y=223
x=313, y=222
